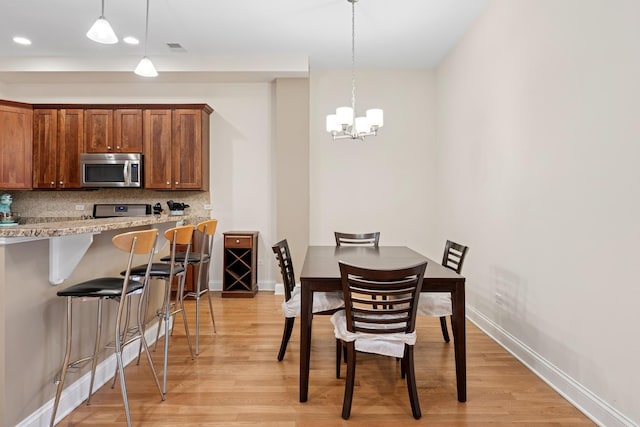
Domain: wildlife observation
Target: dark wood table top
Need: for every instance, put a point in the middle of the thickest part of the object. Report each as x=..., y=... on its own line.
x=321, y=263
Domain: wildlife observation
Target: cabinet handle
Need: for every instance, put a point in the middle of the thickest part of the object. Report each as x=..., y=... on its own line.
x=237, y=241
x=108, y=147
x=168, y=183
x=117, y=147
x=176, y=182
x=62, y=183
x=53, y=184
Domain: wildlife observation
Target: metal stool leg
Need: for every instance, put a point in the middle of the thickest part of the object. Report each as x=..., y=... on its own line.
x=96, y=349
x=65, y=364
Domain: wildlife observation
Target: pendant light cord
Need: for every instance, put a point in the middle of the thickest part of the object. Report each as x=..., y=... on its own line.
x=102, y=14
x=146, y=29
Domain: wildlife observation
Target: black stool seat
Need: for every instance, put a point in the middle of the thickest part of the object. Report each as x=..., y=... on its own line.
x=193, y=258
x=104, y=287
x=158, y=269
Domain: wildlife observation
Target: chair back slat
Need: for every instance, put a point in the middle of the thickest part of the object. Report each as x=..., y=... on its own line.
x=365, y=314
x=283, y=255
x=359, y=239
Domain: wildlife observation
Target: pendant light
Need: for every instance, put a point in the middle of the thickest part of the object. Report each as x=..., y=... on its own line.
x=101, y=31
x=145, y=67
x=344, y=124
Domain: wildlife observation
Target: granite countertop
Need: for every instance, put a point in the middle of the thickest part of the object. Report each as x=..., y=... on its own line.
x=79, y=226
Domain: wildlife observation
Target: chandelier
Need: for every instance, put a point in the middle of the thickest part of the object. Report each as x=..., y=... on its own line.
x=344, y=124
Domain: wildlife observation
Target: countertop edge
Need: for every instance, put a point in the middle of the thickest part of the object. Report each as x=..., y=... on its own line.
x=81, y=226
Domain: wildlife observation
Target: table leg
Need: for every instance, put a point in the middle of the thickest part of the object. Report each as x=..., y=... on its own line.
x=459, y=340
x=306, y=317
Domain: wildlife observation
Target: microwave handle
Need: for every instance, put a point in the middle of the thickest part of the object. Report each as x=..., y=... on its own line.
x=126, y=171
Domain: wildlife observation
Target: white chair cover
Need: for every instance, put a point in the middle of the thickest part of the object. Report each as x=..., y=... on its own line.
x=387, y=345
x=322, y=301
x=434, y=304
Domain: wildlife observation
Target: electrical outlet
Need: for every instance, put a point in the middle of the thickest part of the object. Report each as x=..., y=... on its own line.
x=79, y=207
x=208, y=206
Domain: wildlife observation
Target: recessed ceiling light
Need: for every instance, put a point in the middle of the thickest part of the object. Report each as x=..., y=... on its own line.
x=22, y=40
x=131, y=40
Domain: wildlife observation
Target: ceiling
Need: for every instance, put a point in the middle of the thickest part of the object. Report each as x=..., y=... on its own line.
x=235, y=39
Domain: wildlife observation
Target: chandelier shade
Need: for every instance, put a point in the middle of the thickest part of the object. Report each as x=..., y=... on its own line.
x=101, y=31
x=345, y=124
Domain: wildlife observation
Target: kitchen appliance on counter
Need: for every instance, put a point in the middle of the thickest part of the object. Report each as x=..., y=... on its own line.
x=111, y=170
x=176, y=208
x=109, y=210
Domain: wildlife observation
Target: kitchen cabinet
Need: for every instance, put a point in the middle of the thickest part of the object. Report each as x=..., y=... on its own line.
x=240, y=275
x=58, y=141
x=16, y=145
x=176, y=148
x=113, y=130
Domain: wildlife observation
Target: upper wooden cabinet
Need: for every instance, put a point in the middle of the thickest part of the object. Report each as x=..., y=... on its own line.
x=57, y=145
x=16, y=123
x=113, y=130
x=176, y=148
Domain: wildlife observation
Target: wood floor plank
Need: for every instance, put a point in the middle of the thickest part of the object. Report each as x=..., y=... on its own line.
x=237, y=381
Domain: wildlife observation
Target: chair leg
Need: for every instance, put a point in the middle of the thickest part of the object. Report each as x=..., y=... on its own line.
x=286, y=335
x=411, y=381
x=213, y=320
x=350, y=382
x=443, y=326
x=96, y=349
x=65, y=364
x=338, y=357
x=146, y=349
x=180, y=304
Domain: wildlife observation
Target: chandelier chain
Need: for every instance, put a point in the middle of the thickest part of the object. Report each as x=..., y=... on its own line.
x=353, y=57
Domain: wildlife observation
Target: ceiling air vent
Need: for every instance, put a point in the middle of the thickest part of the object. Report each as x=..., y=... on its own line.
x=176, y=47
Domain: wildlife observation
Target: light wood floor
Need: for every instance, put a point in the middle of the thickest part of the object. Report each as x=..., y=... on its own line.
x=237, y=380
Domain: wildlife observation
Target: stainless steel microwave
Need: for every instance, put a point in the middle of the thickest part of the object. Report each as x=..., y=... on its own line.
x=111, y=170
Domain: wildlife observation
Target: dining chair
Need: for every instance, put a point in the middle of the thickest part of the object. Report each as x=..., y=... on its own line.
x=439, y=303
x=323, y=302
x=121, y=290
x=361, y=239
x=388, y=330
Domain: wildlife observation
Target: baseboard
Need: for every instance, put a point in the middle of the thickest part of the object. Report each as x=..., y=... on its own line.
x=579, y=396
x=76, y=393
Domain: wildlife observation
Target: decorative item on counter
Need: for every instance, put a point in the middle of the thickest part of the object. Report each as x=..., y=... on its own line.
x=157, y=209
x=7, y=217
x=176, y=208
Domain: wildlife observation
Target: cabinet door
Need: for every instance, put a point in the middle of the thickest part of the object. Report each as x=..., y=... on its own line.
x=70, y=145
x=98, y=131
x=128, y=130
x=157, y=149
x=187, y=149
x=16, y=130
x=45, y=143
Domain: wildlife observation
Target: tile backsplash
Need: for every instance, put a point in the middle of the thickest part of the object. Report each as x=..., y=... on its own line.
x=67, y=204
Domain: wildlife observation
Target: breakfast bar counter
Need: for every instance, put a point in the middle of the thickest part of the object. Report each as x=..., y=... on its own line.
x=33, y=257
x=79, y=226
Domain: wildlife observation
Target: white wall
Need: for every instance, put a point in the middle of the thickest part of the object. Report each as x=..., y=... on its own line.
x=538, y=140
x=387, y=182
x=241, y=147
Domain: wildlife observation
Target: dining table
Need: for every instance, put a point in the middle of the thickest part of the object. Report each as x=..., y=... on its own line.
x=321, y=273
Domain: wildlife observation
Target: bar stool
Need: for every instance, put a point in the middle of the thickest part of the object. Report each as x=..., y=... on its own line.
x=120, y=289
x=167, y=271
x=207, y=229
